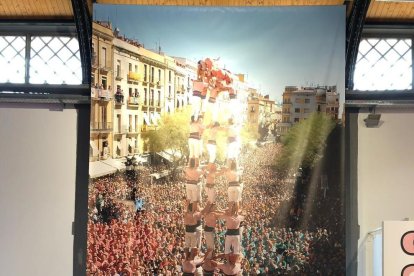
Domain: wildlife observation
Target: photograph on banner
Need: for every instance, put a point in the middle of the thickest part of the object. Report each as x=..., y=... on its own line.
x=216, y=141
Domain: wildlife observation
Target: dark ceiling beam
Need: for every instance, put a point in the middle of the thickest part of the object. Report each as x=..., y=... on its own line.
x=84, y=29
x=354, y=26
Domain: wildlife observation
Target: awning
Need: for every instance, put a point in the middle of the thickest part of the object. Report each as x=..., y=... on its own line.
x=146, y=119
x=95, y=151
x=169, y=156
x=99, y=168
x=115, y=163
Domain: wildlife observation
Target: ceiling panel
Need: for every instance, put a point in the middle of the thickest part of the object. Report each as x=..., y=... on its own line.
x=37, y=9
x=226, y=2
x=391, y=11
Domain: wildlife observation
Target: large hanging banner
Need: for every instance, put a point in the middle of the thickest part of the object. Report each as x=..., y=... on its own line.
x=216, y=141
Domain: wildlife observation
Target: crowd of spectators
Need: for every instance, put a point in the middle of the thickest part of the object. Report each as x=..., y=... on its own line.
x=281, y=236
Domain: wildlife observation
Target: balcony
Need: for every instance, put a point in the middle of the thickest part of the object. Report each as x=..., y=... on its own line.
x=146, y=128
x=101, y=126
x=133, y=77
x=133, y=101
x=119, y=75
x=101, y=94
x=120, y=129
x=180, y=88
x=105, y=68
x=119, y=100
x=133, y=130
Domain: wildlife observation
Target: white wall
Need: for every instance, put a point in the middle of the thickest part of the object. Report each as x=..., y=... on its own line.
x=385, y=175
x=37, y=189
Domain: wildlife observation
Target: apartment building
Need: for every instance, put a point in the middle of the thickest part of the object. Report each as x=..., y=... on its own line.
x=101, y=92
x=300, y=103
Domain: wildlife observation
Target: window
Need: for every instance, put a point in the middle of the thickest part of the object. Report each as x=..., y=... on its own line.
x=169, y=76
x=384, y=64
x=298, y=100
x=145, y=95
x=136, y=68
x=130, y=92
x=307, y=101
x=136, y=92
x=159, y=75
x=136, y=122
x=152, y=74
x=104, y=81
x=130, y=67
x=296, y=120
x=145, y=72
x=306, y=110
x=152, y=97
x=169, y=91
x=297, y=110
x=159, y=98
x=118, y=68
x=103, y=57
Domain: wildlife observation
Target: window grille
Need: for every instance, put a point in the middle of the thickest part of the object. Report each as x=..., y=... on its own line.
x=12, y=59
x=384, y=64
x=55, y=60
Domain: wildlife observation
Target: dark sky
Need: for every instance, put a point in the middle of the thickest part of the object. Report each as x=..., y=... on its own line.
x=275, y=46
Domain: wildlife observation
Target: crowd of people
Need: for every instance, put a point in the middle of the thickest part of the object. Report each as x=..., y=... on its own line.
x=151, y=242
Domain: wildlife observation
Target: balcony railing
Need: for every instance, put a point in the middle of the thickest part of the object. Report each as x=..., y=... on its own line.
x=145, y=128
x=120, y=129
x=133, y=77
x=101, y=94
x=133, y=101
x=119, y=75
x=119, y=99
x=105, y=68
x=132, y=129
x=101, y=126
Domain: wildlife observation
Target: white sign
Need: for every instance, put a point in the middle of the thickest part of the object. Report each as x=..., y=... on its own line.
x=398, y=248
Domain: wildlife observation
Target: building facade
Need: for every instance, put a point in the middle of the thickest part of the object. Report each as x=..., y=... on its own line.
x=300, y=103
x=101, y=92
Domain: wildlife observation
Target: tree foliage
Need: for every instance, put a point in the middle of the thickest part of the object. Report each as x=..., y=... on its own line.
x=304, y=144
x=171, y=134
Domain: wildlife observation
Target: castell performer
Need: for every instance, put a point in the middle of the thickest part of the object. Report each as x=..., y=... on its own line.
x=210, y=173
x=232, y=266
x=194, y=139
x=193, y=183
x=191, y=263
x=210, y=214
x=232, y=242
x=193, y=228
x=235, y=188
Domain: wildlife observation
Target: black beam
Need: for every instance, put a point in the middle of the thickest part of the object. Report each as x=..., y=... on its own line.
x=351, y=190
x=61, y=89
x=84, y=29
x=407, y=95
x=81, y=194
x=27, y=27
x=44, y=98
x=354, y=28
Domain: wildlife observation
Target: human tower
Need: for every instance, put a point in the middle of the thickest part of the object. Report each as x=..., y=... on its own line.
x=214, y=92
